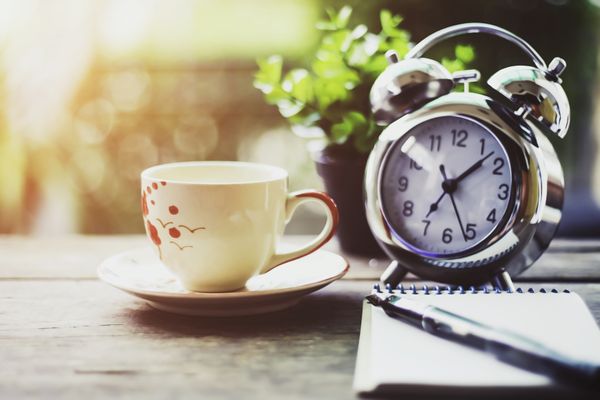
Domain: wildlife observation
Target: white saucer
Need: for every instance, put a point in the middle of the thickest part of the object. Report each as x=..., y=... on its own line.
x=140, y=273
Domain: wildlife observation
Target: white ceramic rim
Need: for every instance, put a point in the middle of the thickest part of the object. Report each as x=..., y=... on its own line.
x=277, y=173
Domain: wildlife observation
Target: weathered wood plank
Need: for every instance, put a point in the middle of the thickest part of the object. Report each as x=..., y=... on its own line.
x=84, y=339
x=77, y=257
x=74, y=257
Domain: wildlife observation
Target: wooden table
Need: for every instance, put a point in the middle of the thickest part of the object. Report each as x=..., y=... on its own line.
x=64, y=334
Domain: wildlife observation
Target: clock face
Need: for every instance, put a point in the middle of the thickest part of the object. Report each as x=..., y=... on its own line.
x=446, y=186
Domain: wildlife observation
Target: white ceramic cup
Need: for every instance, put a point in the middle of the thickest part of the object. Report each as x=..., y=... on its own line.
x=215, y=224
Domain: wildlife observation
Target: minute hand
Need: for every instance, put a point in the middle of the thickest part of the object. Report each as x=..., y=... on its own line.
x=472, y=168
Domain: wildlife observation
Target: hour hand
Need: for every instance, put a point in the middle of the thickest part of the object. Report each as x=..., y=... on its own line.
x=434, y=206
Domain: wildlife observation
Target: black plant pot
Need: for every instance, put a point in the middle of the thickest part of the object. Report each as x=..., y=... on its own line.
x=342, y=172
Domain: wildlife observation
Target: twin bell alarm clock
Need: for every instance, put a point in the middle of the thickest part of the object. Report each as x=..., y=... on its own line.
x=465, y=188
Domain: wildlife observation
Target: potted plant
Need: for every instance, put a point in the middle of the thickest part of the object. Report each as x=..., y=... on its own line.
x=328, y=103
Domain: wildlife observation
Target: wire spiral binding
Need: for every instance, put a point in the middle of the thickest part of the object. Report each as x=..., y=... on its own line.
x=447, y=289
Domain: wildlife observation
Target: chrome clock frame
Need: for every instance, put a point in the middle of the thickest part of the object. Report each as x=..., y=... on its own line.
x=537, y=195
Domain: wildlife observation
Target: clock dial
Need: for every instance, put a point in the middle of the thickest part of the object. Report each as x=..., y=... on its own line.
x=446, y=185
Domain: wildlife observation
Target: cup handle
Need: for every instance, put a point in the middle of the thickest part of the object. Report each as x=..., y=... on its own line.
x=293, y=201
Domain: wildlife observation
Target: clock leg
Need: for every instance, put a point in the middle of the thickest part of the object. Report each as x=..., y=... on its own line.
x=393, y=274
x=503, y=281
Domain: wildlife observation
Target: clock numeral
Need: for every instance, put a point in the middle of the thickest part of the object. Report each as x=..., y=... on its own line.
x=498, y=163
x=407, y=211
x=503, y=195
x=459, y=137
x=447, y=235
x=414, y=165
x=426, y=222
x=470, y=231
x=482, y=145
x=403, y=184
x=435, y=142
x=492, y=216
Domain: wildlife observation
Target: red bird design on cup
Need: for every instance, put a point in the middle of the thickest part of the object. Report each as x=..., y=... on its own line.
x=170, y=230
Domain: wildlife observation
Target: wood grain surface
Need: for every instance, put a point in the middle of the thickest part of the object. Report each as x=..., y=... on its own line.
x=64, y=334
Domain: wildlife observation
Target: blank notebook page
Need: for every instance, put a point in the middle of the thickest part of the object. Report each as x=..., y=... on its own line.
x=395, y=353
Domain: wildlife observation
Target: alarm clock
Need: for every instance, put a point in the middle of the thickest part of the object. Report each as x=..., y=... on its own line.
x=461, y=187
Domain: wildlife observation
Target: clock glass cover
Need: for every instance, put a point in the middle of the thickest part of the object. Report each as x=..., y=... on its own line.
x=446, y=186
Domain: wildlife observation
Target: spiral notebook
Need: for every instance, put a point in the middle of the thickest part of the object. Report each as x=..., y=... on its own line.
x=394, y=356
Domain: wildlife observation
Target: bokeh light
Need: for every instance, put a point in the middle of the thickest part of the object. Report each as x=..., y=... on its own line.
x=95, y=91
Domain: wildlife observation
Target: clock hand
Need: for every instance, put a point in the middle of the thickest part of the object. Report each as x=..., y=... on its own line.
x=472, y=168
x=434, y=206
x=448, y=185
x=443, y=171
x=462, y=229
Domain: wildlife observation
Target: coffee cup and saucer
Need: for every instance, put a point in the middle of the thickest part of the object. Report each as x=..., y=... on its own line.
x=217, y=245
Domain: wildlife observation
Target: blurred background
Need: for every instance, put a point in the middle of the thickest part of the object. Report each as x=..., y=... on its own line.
x=94, y=91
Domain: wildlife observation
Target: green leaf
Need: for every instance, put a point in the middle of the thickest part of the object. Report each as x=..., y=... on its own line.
x=453, y=65
x=325, y=26
x=353, y=123
x=328, y=66
x=466, y=54
x=357, y=56
x=337, y=20
x=289, y=107
x=305, y=118
x=276, y=95
x=376, y=65
x=328, y=91
x=343, y=16
x=332, y=67
x=331, y=13
x=387, y=21
x=340, y=132
x=298, y=83
x=337, y=41
x=389, y=24
x=357, y=119
x=330, y=24
x=268, y=74
x=362, y=51
x=358, y=32
x=371, y=43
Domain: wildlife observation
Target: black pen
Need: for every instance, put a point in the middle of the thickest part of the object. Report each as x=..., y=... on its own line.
x=507, y=346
